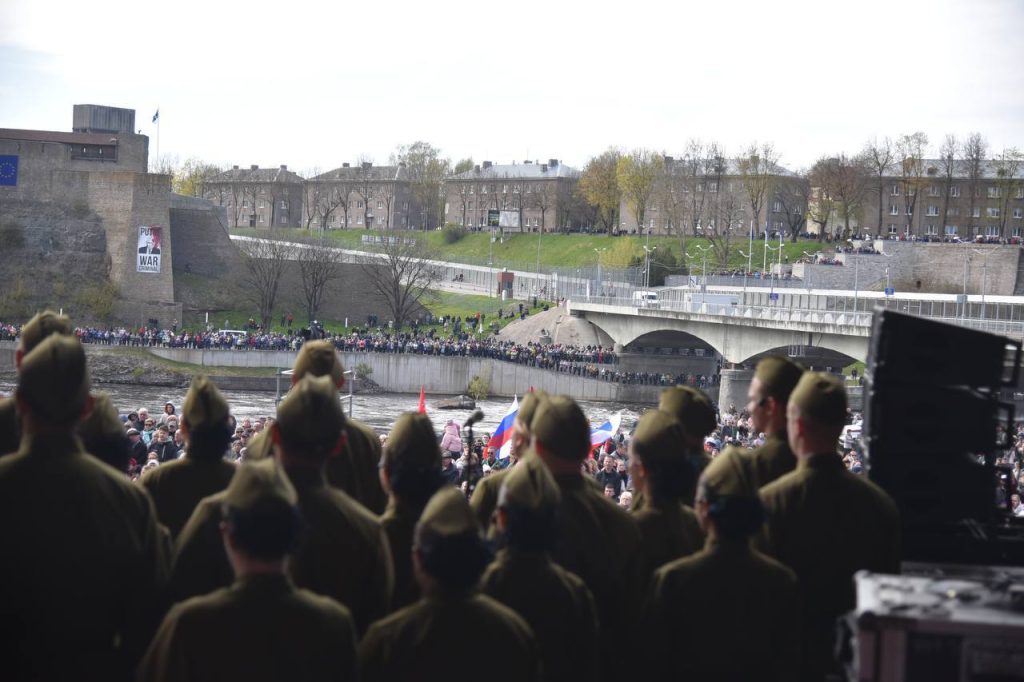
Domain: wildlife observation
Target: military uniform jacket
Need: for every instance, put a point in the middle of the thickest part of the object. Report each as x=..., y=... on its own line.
x=668, y=531
x=774, y=459
x=485, y=498
x=342, y=553
x=726, y=613
x=399, y=522
x=556, y=605
x=10, y=427
x=259, y=628
x=826, y=523
x=84, y=561
x=600, y=542
x=454, y=638
x=178, y=486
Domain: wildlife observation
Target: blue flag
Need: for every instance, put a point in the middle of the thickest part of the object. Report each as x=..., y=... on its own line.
x=156, y=116
x=9, y=170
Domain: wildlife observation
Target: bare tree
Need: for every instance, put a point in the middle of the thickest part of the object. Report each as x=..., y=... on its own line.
x=701, y=169
x=949, y=154
x=386, y=191
x=878, y=158
x=637, y=174
x=400, y=272
x=427, y=170
x=671, y=200
x=758, y=168
x=264, y=265
x=319, y=265
x=910, y=151
x=726, y=222
x=542, y=196
x=364, y=188
x=1007, y=168
x=973, y=151
x=794, y=195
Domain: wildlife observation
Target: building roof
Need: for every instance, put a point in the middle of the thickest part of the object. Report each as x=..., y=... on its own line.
x=256, y=175
x=935, y=168
x=357, y=173
x=732, y=167
x=56, y=136
x=525, y=171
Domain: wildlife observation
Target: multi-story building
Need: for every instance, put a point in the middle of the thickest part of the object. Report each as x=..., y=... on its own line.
x=539, y=194
x=712, y=196
x=363, y=196
x=258, y=197
x=988, y=203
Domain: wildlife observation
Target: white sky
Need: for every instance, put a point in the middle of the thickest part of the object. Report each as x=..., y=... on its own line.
x=314, y=84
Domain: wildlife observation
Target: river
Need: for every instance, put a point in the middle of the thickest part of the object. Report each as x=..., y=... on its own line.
x=378, y=410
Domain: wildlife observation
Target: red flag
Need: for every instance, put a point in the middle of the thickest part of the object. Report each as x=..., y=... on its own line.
x=422, y=409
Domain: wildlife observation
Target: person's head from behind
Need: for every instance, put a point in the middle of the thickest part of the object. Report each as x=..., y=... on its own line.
x=310, y=424
x=103, y=435
x=561, y=434
x=318, y=359
x=411, y=460
x=521, y=432
x=53, y=387
x=527, y=506
x=658, y=461
x=204, y=420
x=260, y=519
x=694, y=412
x=727, y=504
x=816, y=414
x=40, y=327
x=448, y=553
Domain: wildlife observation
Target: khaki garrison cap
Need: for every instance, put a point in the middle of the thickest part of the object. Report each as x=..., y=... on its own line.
x=204, y=405
x=319, y=358
x=658, y=437
x=528, y=407
x=447, y=515
x=310, y=417
x=54, y=379
x=561, y=428
x=691, y=408
x=260, y=485
x=731, y=474
x=43, y=325
x=412, y=441
x=821, y=397
x=530, y=487
x=778, y=376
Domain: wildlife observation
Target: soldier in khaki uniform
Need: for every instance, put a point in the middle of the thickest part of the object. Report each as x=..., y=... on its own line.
x=261, y=627
x=773, y=382
x=453, y=632
x=35, y=330
x=485, y=497
x=179, y=485
x=103, y=434
x=84, y=556
x=695, y=413
x=555, y=603
x=727, y=612
x=824, y=522
x=354, y=467
x=343, y=552
x=410, y=473
x=596, y=540
x=662, y=474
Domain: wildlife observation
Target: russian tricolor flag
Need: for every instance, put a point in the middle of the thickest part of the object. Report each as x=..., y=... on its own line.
x=606, y=430
x=502, y=438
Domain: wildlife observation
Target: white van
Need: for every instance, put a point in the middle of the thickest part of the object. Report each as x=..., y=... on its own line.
x=645, y=299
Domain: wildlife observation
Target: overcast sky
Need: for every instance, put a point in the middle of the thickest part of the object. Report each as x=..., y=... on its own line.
x=313, y=84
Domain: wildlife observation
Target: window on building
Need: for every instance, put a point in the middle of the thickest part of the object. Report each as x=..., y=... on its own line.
x=504, y=189
x=894, y=190
x=284, y=220
x=469, y=206
x=933, y=191
x=284, y=205
x=260, y=219
x=993, y=212
x=950, y=229
x=991, y=230
x=1018, y=213
x=445, y=207
x=463, y=189
x=483, y=189
x=952, y=210
x=894, y=209
x=380, y=204
x=932, y=210
x=712, y=186
x=777, y=225
x=1020, y=192
x=471, y=189
x=1015, y=232
x=359, y=221
x=976, y=212
x=994, y=193
x=776, y=207
x=931, y=229
x=954, y=191
x=892, y=228
x=911, y=190
x=263, y=204
x=910, y=209
x=515, y=189
x=536, y=222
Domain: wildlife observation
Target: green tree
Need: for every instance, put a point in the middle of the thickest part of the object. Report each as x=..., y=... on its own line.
x=638, y=174
x=426, y=170
x=190, y=179
x=1008, y=182
x=599, y=187
x=463, y=165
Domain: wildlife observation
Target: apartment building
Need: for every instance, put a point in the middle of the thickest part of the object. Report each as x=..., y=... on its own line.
x=363, y=196
x=258, y=197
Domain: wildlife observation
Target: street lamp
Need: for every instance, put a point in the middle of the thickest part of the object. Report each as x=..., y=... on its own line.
x=768, y=246
x=599, y=285
x=984, y=278
x=647, y=265
x=807, y=274
x=745, y=273
x=703, y=267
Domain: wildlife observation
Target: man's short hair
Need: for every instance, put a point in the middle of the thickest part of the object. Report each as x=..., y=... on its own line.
x=778, y=377
x=561, y=427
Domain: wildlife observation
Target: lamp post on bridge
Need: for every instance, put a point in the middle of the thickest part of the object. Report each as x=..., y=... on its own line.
x=807, y=275
x=647, y=264
x=600, y=286
x=747, y=256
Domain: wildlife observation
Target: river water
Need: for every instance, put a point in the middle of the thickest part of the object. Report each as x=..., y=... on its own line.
x=378, y=410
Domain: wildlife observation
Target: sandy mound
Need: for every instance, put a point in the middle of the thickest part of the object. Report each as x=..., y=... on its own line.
x=560, y=325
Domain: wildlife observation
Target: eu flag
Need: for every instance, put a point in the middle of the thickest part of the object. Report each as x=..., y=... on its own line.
x=9, y=170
